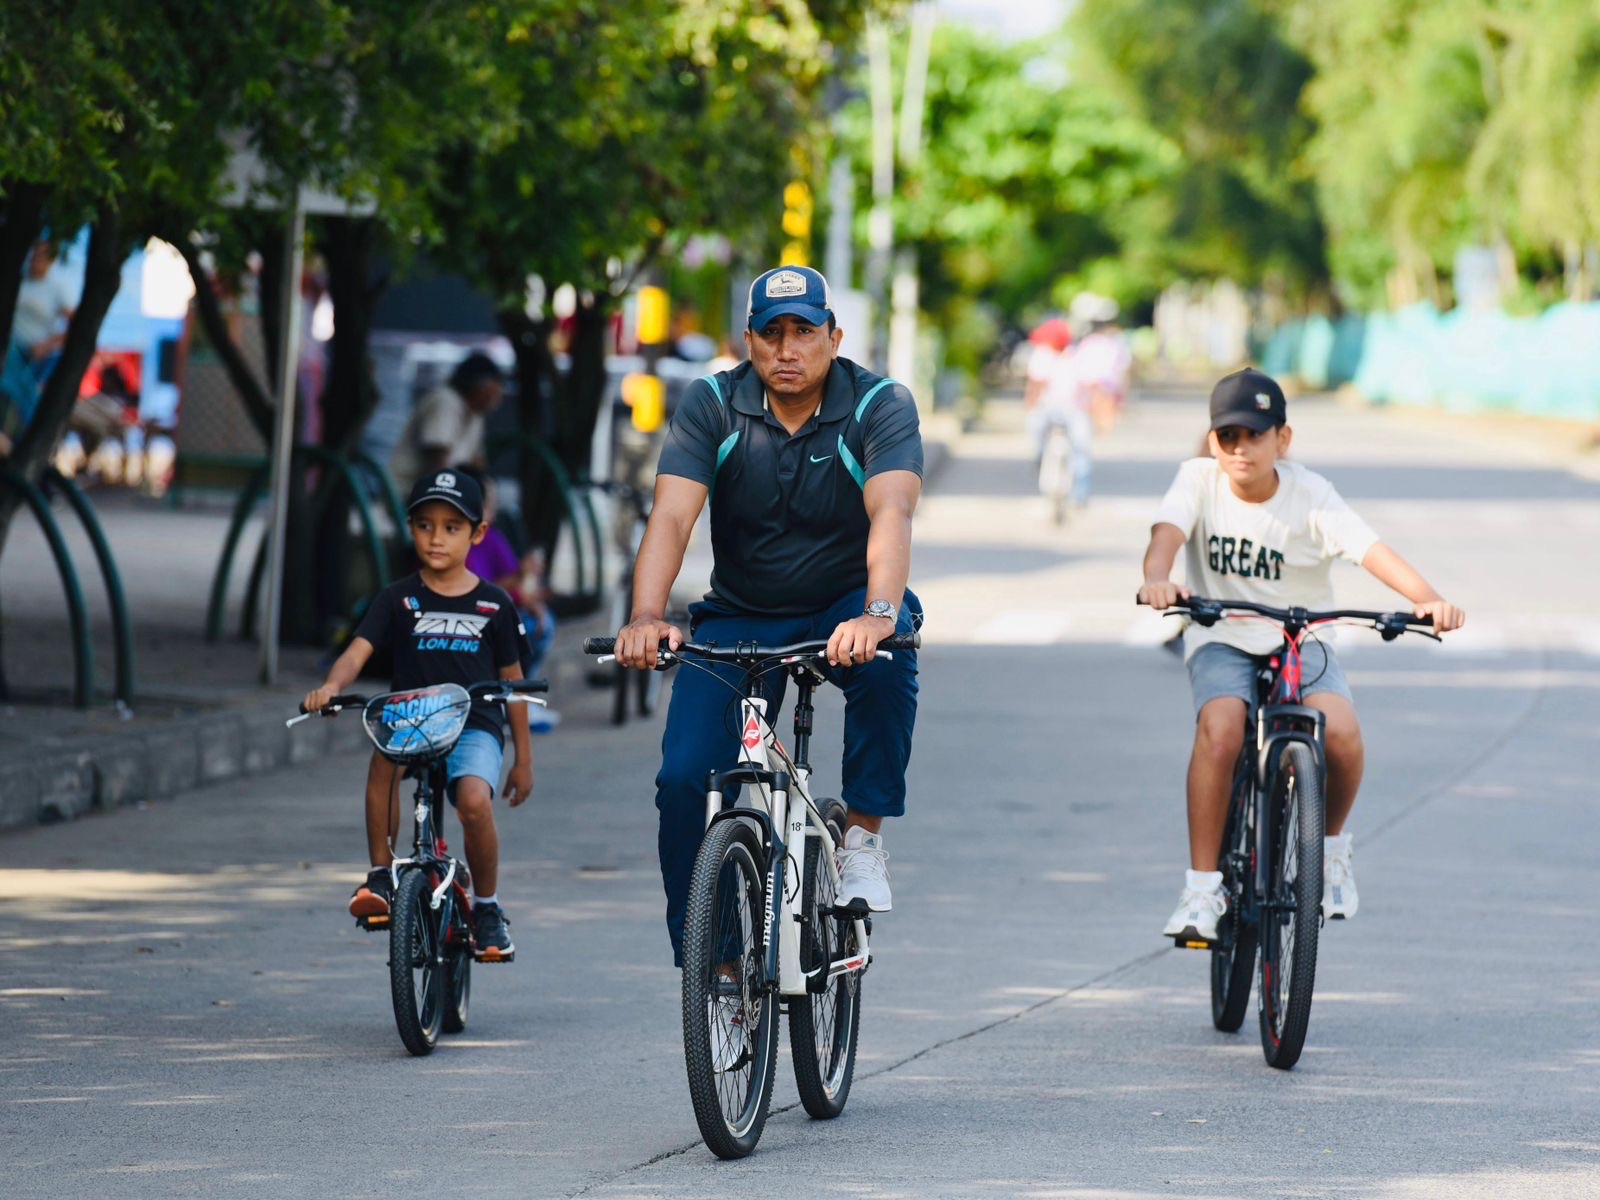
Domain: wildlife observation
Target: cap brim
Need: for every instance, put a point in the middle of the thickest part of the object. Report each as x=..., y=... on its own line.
x=455, y=504
x=1249, y=418
x=810, y=312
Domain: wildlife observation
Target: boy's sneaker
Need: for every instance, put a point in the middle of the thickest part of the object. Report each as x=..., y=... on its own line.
x=1339, y=898
x=369, y=903
x=863, y=871
x=1197, y=915
x=730, y=1043
x=491, y=930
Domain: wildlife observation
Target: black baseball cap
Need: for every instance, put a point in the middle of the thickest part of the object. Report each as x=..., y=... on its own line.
x=1248, y=398
x=455, y=488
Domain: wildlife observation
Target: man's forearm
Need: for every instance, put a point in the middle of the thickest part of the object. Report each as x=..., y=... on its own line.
x=889, y=557
x=660, y=559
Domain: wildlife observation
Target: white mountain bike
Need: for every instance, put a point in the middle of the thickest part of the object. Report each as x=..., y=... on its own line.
x=1055, y=470
x=762, y=927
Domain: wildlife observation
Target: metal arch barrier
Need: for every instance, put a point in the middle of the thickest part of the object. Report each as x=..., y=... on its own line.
x=116, y=596
x=77, y=610
x=341, y=466
x=252, y=494
x=385, y=482
x=578, y=510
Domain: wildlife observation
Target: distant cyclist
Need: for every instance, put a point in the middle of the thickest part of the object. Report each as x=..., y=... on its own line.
x=1261, y=528
x=812, y=467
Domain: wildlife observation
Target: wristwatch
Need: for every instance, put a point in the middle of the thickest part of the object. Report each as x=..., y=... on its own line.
x=882, y=608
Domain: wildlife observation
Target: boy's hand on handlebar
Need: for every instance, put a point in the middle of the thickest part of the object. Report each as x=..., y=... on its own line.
x=1446, y=616
x=317, y=700
x=1161, y=593
x=856, y=641
x=639, y=641
x=519, y=784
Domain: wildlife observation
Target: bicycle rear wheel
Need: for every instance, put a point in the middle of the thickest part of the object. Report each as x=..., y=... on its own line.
x=1233, y=959
x=824, y=1024
x=1289, y=927
x=416, y=967
x=458, y=969
x=730, y=1019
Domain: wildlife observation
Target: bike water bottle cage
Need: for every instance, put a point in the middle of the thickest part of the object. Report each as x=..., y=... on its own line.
x=418, y=725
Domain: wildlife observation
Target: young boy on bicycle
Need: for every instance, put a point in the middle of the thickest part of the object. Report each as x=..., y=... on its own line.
x=445, y=625
x=1263, y=529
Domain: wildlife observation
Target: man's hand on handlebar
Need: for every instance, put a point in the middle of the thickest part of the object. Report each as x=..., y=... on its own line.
x=639, y=641
x=1159, y=594
x=1446, y=616
x=856, y=641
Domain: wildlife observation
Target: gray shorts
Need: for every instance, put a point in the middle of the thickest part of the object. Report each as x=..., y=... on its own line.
x=1217, y=670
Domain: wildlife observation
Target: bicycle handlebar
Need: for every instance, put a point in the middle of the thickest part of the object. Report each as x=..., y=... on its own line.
x=498, y=690
x=749, y=653
x=1390, y=625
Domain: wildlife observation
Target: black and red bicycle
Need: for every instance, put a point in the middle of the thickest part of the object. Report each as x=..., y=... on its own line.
x=1271, y=859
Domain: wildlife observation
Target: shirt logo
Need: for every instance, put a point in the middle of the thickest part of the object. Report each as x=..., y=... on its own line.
x=488, y=606
x=411, y=603
x=449, y=624
x=823, y=459
x=786, y=283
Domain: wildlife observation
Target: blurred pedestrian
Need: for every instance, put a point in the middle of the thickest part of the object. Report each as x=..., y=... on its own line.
x=447, y=425
x=1105, y=359
x=46, y=301
x=1048, y=341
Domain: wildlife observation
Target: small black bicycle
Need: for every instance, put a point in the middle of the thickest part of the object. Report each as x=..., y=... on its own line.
x=1271, y=859
x=431, y=944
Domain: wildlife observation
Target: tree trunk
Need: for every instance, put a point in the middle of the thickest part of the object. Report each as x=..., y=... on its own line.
x=253, y=392
x=36, y=447
x=537, y=382
x=21, y=219
x=350, y=394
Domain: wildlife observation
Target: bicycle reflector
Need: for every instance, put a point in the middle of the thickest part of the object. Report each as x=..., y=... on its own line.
x=414, y=726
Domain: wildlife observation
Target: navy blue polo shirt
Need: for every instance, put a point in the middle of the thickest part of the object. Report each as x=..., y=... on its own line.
x=788, y=520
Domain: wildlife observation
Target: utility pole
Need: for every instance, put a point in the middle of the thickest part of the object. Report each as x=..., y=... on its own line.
x=880, y=222
x=902, y=357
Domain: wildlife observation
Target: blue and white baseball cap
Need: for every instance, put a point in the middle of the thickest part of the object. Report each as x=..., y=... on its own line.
x=790, y=291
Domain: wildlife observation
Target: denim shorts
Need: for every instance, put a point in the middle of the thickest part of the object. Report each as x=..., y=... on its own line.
x=1217, y=670
x=478, y=753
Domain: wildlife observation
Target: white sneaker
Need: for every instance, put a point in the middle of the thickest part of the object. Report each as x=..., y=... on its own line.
x=1195, y=919
x=729, y=1041
x=864, y=870
x=1339, y=897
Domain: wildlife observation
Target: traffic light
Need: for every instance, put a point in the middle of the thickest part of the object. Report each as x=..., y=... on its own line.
x=797, y=210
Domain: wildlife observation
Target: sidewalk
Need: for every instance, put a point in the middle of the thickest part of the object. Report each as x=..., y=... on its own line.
x=198, y=717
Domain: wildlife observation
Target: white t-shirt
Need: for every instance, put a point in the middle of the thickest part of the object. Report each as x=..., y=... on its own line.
x=40, y=305
x=1063, y=392
x=1277, y=552
x=441, y=420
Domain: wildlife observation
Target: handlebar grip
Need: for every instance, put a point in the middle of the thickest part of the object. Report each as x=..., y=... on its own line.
x=901, y=641
x=600, y=645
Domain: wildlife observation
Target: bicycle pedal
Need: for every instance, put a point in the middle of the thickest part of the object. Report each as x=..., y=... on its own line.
x=854, y=908
x=373, y=924
x=493, y=956
x=1187, y=943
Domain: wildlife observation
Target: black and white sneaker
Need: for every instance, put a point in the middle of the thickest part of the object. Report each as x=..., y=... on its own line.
x=491, y=930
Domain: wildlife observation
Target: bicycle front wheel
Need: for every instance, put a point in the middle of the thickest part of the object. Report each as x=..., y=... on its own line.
x=824, y=1023
x=730, y=1017
x=416, y=966
x=1291, y=922
x=1233, y=959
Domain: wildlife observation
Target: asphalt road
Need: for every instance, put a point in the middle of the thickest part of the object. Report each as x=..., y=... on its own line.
x=186, y=1011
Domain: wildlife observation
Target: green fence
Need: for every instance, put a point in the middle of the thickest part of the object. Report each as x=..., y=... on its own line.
x=1465, y=361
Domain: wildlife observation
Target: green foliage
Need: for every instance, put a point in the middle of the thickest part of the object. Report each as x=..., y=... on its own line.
x=1220, y=81
x=1020, y=184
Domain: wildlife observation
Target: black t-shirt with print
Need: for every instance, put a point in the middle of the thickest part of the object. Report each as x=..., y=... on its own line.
x=436, y=639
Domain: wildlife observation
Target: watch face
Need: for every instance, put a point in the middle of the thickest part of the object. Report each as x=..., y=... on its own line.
x=881, y=608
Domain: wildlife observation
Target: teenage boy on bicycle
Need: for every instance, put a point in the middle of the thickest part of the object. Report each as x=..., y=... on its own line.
x=445, y=625
x=1263, y=529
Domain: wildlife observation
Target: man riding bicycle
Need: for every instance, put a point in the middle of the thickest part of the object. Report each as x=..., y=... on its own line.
x=813, y=468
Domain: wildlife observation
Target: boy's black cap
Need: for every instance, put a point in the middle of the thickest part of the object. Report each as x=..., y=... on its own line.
x=1248, y=398
x=453, y=487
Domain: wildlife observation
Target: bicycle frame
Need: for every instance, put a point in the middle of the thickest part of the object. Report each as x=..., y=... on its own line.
x=428, y=845
x=781, y=804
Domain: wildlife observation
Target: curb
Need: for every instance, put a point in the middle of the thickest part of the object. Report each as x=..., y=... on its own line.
x=114, y=770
